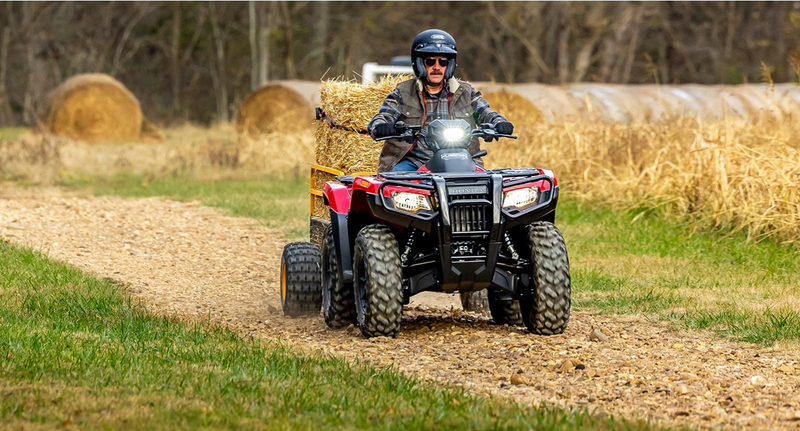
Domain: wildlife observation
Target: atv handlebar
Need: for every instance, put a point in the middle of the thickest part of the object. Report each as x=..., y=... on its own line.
x=410, y=133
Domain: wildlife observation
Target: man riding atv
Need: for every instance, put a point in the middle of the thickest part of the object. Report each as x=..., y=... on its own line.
x=433, y=219
x=434, y=94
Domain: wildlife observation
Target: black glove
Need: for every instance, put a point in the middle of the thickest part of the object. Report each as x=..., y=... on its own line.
x=504, y=128
x=383, y=129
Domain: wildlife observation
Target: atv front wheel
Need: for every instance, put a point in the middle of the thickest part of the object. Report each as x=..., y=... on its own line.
x=338, y=300
x=378, y=282
x=504, y=311
x=546, y=310
x=301, y=284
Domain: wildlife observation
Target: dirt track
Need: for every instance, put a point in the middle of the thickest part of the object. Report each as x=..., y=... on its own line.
x=190, y=260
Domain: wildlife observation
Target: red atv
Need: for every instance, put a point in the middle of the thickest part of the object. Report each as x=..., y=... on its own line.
x=449, y=227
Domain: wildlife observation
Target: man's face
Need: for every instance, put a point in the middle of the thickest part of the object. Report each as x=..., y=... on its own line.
x=435, y=67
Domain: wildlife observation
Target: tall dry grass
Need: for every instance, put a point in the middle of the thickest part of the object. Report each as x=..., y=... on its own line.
x=187, y=150
x=732, y=175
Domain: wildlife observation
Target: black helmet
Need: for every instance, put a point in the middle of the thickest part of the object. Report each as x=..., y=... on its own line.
x=431, y=43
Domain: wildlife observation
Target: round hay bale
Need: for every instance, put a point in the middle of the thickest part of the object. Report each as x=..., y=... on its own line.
x=712, y=105
x=552, y=102
x=760, y=100
x=93, y=107
x=274, y=108
x=151, y=133
x=517, y=109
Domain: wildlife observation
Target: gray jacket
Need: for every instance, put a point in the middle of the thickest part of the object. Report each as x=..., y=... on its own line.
x=405, y=104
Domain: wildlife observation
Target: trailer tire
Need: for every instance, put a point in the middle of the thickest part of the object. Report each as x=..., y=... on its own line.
x=378, y=282
x=546, y=310
x=301, y=283
x=338, y=300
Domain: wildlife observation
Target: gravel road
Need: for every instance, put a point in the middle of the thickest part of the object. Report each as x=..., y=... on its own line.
x=190, y=260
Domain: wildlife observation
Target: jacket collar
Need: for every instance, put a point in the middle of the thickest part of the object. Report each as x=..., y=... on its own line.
x=452, y=85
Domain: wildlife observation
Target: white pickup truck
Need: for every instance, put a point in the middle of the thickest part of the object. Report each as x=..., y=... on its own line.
x=400, y=65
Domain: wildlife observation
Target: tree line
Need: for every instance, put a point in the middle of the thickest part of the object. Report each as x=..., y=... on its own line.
x=197, y=60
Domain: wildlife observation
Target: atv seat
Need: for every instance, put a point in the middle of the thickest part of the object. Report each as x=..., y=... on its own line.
x=345, y=179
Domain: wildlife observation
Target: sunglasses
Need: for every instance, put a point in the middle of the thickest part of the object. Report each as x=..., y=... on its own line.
x=431, y=61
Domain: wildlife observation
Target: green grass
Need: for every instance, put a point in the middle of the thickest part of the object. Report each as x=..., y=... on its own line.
x=11, y=133
x=278, y=203
x=633, y=262
x=75, y=350
x=622, y=262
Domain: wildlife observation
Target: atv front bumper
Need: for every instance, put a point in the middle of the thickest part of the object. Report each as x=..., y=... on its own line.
x=470, y=228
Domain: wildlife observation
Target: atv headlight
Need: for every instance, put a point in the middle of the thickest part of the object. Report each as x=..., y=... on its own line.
x=521, y=198
x=410, y=202
x=453, y=134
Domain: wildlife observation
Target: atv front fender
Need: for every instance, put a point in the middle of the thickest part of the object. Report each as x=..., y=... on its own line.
x=338, y=198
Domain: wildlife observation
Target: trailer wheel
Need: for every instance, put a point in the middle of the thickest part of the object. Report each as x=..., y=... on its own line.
x=338, y=300
x=504, y=311
x=378, y=282
x=301, y=284
x=546, y=310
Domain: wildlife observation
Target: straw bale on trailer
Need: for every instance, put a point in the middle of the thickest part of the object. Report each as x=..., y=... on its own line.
x=351, y=105
x=346, y=151
x=274, y=108
x=93, y=107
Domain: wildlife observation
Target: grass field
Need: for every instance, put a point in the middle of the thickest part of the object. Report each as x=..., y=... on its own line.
x=10, y=133
x=278, y=203
x=622, y=262
x=77, y=352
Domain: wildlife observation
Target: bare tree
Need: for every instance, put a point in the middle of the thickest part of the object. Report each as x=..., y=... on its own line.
x=218, y=66
x=171, y=57
x=320, y=47
x=251, y=9
x=175, y=56
x=6, y=116
x=36, y=62
x=263, y=43
x=133, y=19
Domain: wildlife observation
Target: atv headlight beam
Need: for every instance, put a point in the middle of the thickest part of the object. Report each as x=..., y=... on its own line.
x=453, y=134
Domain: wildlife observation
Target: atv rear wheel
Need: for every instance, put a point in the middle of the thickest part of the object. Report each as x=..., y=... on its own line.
x=504, y=311
x=301, y=284
x=378, y=282
x=338, y=300
x=546, y=310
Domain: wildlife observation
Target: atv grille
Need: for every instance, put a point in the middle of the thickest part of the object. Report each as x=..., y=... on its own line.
x=470, y=217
